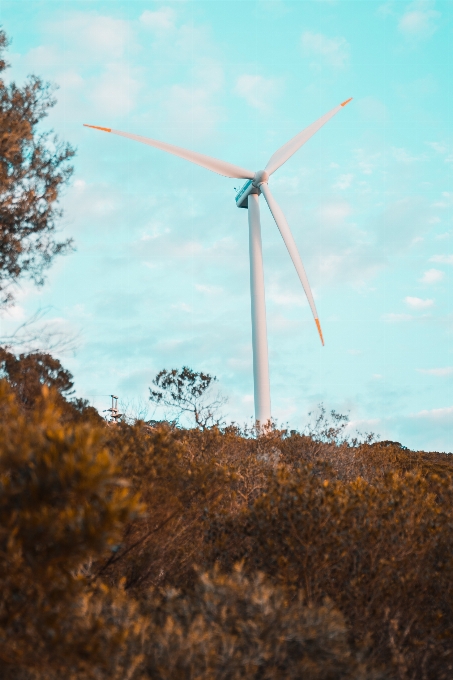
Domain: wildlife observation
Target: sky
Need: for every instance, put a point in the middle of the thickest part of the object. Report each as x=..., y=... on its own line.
x=160, y=274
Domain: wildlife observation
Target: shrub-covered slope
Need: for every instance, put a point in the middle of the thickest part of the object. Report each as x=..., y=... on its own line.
x=131, y=551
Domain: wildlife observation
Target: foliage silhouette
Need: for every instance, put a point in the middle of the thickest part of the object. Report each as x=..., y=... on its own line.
x=187, y=392
x=34, y=166
x=27, y=374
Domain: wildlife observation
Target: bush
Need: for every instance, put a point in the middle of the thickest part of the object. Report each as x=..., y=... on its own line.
x=382, y=552
x=178, y=489
x=232, y=627
x=62, y=502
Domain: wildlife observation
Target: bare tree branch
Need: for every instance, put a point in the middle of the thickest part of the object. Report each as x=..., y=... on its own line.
x=36, y=334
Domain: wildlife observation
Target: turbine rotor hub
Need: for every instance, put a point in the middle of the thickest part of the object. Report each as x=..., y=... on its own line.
x=261, y=177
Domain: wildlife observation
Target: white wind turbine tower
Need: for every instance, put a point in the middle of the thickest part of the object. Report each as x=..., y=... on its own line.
x=248, y=197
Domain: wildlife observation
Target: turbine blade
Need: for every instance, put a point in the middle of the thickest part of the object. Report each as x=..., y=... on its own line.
x=288, y=238
x=218, y=166
x=290, y=148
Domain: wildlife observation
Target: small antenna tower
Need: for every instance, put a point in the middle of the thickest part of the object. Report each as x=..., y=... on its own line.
x=115, y=415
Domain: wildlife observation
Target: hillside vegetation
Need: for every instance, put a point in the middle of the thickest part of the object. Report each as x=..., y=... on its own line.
x=138, y=551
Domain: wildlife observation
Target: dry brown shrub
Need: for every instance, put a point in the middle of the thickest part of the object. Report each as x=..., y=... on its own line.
x=62, y=501
x=232, y=627
x=90, y=590
x=383, y=552
x=178, y=488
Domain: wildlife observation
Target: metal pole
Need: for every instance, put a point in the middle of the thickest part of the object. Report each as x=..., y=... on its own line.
x=258, y=308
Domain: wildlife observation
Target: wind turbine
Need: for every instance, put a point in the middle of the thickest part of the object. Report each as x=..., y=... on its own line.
x=247, y=197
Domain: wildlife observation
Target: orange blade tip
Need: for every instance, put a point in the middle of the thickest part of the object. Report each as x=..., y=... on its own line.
x=318, y=325
x=346, y=102
x=96, y=127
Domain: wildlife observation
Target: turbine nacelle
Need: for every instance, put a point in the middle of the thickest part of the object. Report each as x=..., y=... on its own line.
x=244, y=192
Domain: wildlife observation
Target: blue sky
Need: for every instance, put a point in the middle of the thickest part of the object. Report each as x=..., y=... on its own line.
x=160, y=277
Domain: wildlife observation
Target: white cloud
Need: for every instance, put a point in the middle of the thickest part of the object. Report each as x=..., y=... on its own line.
x=440, y=372
x=446, y=201
x=92, y=64
x=432, y=276
x=396, y=318
x=401, y=156
x=160, y=21
x=373, y=109
x=399, y=226
x=343, y=182
x=335, y=212
x=439, y=148
x=437, y=414
x=280, y=290
x=442, y=259
x=258, y=92
x=386, y=9
x=418, y=303
x=285, y=298
x=42, y=56
x=419, y=20
x=79, y=311
x=345, y=251
x=154, y=230
x=331, y=51
x=209, y=290
x=115, y=91
x=193, y=107
x=366, y=162
x=280, y=323
x=191, y=99
x=182, y=307
x=98, y=35
x=15, y=312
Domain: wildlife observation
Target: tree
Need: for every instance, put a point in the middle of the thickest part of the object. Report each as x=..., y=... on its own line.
x=28, y=373
x=186, y=391
x=34, y=166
